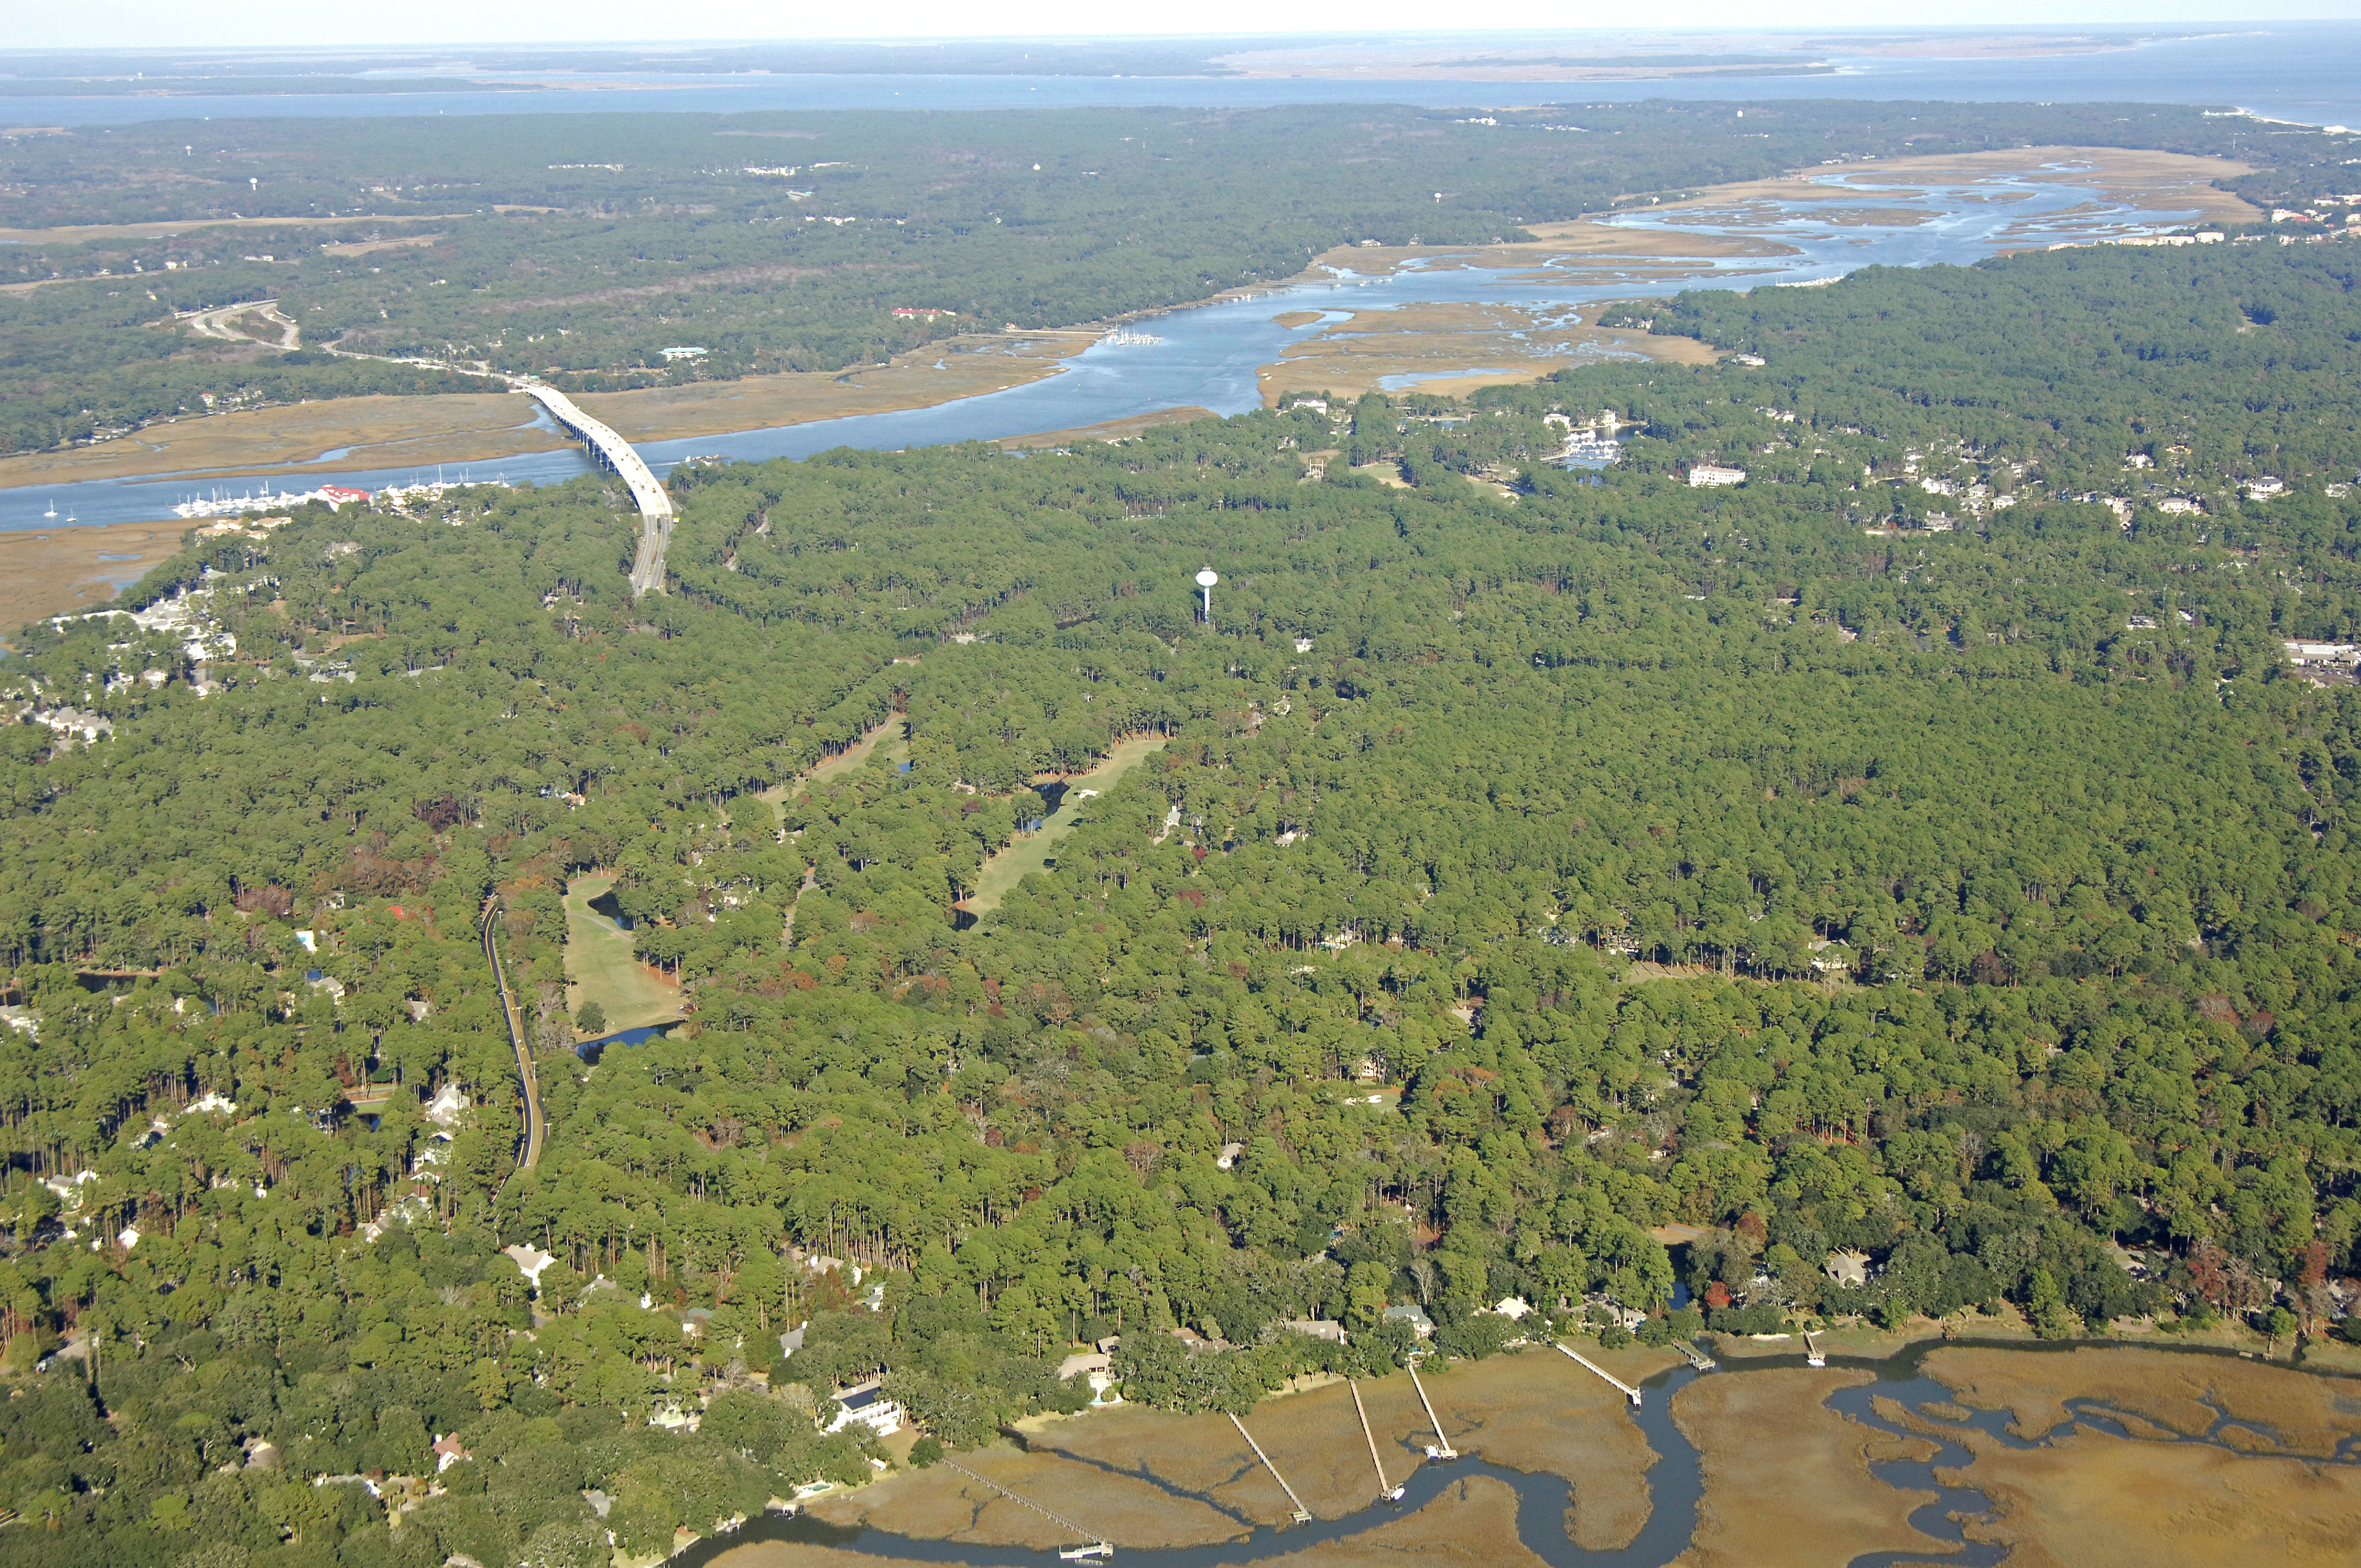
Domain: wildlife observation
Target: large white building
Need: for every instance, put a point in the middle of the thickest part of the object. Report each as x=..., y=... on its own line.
x=868, y=1404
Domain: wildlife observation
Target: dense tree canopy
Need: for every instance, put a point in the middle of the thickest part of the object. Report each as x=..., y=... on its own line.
x=1518, y=875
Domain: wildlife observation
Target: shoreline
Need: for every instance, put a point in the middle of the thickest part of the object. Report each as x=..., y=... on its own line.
x=1679, y=248
x=54, y=571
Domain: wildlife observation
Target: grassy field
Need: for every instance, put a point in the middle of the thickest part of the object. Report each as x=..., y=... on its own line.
x=898, y=749
x=481, y=427
x=601, y=967
x=891, y=735
x=942, y=372
x=47, y=572
x=1006, y=869
x=371, y=433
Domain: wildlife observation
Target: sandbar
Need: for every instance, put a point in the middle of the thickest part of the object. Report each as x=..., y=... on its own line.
x=1454, y=348
x=1111, y=429
x=2156, y=181
x=1576, y=250
x=939, y=372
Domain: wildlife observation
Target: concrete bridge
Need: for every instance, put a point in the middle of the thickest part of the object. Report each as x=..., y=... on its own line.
x=608, y=448
x=617, y=454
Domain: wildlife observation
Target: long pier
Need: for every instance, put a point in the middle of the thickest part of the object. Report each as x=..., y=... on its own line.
x=1392, y=1493
x=1629, y=1392
x=1442, y=1449
x=1301, y=1514
x=619, y=455
x=1096, y=1547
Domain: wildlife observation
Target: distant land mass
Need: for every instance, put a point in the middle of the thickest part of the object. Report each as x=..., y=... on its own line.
x=1656, y=64
x=246, y=86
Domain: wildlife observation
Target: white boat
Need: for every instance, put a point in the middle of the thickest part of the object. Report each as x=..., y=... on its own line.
x=1097, y=1549
x=52, y=511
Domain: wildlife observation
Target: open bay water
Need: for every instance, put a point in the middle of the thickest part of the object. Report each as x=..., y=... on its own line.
x=2308, y=72
x=1208, y=355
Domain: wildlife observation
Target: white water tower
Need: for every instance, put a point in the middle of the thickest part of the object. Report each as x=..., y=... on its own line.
x=1205, y=580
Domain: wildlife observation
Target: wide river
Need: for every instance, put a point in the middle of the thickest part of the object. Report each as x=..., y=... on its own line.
x=1208, y=355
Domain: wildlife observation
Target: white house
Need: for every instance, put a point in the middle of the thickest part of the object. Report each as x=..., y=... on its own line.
x=867, y=1403
x=1702, y=474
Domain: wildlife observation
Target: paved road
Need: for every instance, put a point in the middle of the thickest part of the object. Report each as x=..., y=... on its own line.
x=535, y=1126
x=655, y=504
x=215, y=323
x=648, y=493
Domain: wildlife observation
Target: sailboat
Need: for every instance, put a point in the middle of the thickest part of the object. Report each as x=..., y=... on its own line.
x=53, y=508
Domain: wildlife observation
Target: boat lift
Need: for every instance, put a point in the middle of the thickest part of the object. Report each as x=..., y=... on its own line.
x=1301, y=1514
x=1441, y=1448
x=1630, y=1393
x=1074, y=1554
x=1390, y=1493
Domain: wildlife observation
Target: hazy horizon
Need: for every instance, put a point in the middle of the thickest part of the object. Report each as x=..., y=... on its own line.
x=286, y=26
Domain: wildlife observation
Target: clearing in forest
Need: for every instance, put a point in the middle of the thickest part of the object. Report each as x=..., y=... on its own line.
x=1006, y=869
x=897, y=751
x=600, y=966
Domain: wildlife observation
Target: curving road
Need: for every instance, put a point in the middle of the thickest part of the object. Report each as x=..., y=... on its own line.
x=655, y=504
x=216, y=324
x=648, y=493
x=535, y=1125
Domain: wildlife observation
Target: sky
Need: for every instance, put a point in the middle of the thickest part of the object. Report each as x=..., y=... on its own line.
x=133, y=24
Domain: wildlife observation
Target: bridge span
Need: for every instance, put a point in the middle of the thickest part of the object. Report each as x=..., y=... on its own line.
x=617, y=454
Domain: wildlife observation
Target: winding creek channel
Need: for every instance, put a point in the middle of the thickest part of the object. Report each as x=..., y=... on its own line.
x=1208, y=355
x=1675, y=1483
